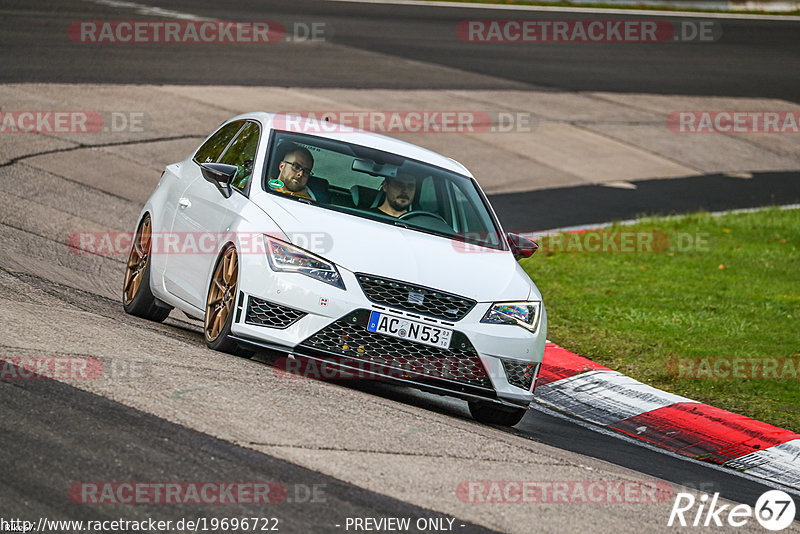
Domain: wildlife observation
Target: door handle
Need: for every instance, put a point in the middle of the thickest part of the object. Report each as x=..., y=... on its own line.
x=184, y=203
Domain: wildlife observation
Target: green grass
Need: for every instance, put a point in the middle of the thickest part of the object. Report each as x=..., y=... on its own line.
x=611, y=5
x=735, y=295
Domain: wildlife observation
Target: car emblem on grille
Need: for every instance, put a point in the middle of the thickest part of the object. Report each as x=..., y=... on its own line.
x=415, y=298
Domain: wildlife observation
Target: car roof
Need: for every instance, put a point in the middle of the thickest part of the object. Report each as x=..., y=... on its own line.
x=355, y=136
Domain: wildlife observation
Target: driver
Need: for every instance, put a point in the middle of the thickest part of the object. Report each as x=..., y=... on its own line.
x=399, y=192
x=295, y=170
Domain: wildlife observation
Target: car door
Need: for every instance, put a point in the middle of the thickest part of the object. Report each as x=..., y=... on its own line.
x=204, y=216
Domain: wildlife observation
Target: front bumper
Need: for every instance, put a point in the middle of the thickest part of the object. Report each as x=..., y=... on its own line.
x=488, y=362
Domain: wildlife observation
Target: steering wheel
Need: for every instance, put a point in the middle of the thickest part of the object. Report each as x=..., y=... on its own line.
x=412, y=214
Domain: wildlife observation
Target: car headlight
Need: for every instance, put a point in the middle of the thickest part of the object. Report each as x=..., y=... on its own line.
x=288, y=258
x=524, y=314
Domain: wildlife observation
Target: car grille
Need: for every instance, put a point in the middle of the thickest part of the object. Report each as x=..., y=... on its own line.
x=520, y=374
x=349, y=337
x=264, y=313
x=414, y=298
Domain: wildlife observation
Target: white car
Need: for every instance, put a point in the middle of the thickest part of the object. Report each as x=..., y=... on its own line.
x=348, y=248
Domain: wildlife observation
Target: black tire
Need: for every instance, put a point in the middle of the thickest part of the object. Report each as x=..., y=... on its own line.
x=137, y=298
x=492, y=414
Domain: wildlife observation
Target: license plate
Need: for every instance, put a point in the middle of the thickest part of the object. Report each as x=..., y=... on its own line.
x=408, y=329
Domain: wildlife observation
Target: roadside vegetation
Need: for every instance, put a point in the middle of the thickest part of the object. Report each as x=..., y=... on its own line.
x=704, y=306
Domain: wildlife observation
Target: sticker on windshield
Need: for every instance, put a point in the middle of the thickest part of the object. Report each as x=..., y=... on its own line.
x=275, y=183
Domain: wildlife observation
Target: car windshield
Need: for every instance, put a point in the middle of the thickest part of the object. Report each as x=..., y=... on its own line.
x=380, y=186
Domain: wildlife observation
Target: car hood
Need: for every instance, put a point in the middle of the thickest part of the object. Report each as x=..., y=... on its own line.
x=365, y=246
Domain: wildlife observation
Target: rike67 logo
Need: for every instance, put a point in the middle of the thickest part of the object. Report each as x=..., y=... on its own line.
x=774, y=510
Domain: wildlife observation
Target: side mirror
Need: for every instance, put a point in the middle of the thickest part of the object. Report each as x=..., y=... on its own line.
x=221, y=175
x=521, y=247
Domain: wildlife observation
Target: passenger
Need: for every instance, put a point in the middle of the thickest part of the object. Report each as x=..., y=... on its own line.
x=294, y=172
x=399, y=193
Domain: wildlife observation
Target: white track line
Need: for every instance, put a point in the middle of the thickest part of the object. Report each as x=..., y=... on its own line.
x=146, y=10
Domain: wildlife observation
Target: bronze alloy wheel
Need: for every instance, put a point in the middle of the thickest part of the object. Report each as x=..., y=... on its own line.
x=221, y=295
x=137, y=298
x=137, y=262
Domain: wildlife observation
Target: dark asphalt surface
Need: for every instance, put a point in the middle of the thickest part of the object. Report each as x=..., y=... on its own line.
x=752, y=58
x=544, y=427
x=58, y=434
x=572, y=206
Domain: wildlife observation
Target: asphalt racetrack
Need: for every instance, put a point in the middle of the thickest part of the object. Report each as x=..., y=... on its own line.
x=753, y=58
x=174, y=411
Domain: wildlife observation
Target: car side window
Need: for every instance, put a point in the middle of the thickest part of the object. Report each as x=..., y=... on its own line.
x=210, y=151
x=242, y=153
x=467, y=217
